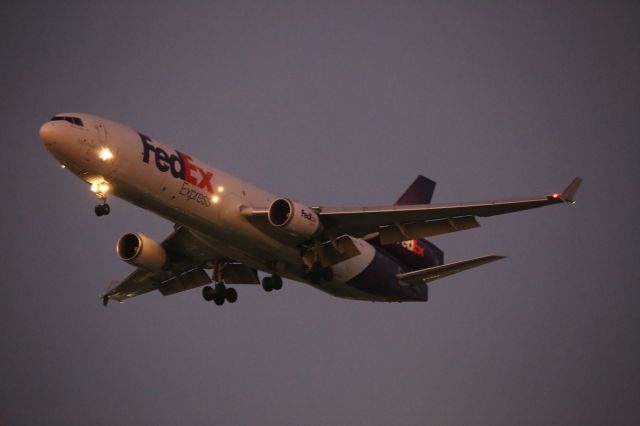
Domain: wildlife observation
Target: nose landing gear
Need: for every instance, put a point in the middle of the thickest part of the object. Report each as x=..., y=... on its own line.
x=101, y=189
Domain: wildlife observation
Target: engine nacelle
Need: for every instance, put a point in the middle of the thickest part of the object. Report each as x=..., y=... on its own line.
x=141, y=251
x=294, y=218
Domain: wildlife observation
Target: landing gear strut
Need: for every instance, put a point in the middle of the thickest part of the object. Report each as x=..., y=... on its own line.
x=101, y=189
x=271, y=283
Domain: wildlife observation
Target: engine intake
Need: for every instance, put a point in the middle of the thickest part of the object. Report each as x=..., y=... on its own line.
x=141, y=251
x=294, y=218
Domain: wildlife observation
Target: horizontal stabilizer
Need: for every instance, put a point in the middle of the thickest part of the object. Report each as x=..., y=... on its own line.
x=424, y=276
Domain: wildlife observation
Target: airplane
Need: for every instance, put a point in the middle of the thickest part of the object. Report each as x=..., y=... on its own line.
x=236, y=229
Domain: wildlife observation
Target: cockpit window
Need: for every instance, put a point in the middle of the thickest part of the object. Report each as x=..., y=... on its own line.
x=73, y=120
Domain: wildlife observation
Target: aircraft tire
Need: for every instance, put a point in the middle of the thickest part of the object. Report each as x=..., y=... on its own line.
x=98, y=210
x=231, y=295
x=106, y=209
x=219, y=294
x=276, y=282
x=267, y=284
x=208, y=293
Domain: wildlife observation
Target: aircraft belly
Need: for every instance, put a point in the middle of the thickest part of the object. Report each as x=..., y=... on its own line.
x=227, y=234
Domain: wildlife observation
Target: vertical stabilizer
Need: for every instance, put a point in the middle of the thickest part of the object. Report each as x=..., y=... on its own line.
x=420, y=253
x=420, y=192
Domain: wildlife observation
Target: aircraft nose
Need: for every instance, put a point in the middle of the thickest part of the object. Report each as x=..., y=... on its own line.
x=50, y=133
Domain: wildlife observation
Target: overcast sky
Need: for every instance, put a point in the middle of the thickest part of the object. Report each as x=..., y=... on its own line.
x=334, y=103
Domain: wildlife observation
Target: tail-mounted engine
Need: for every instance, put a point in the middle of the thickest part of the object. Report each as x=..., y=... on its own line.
x=141, y=251
x=294, y=218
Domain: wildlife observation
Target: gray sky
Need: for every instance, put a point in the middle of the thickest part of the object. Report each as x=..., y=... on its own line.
x=334, y=103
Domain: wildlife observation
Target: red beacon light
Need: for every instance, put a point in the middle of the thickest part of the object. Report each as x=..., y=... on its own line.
x=555, y=195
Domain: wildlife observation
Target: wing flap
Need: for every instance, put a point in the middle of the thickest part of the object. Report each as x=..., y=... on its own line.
x=191, y=279
x=424, y=276
x=411, y=231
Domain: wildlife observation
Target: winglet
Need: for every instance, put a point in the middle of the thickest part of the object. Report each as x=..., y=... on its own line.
x=569, y=192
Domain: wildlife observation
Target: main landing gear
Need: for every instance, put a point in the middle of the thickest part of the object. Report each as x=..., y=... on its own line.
x=271, y=283
x=220, y=293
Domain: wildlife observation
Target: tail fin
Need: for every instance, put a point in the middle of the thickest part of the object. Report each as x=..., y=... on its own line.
x=420, y=192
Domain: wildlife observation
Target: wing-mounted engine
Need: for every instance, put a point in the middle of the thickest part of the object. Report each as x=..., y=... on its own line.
x=295, y=219
x=141, y=251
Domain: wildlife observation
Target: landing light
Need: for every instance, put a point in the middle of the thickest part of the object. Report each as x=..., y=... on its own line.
x=221, y=189
x=100, y=187
x=105, y=154
x=215, y=199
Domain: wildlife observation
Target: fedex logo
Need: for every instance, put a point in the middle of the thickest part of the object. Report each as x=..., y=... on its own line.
x=414, y=247
x=309, y=216
x=180, y=165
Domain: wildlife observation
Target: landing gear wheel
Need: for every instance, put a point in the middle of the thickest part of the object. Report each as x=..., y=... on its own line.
x=276, y=282
x=219, y=294
x=102, y=209
x=267, y=284
x=231, y=295
x=208, y=293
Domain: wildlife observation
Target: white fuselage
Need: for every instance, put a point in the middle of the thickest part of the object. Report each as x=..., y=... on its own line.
x=188, y=192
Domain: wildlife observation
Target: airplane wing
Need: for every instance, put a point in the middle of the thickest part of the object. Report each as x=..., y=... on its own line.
x=188, y=257
x=404, y=222
x=424, y=276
